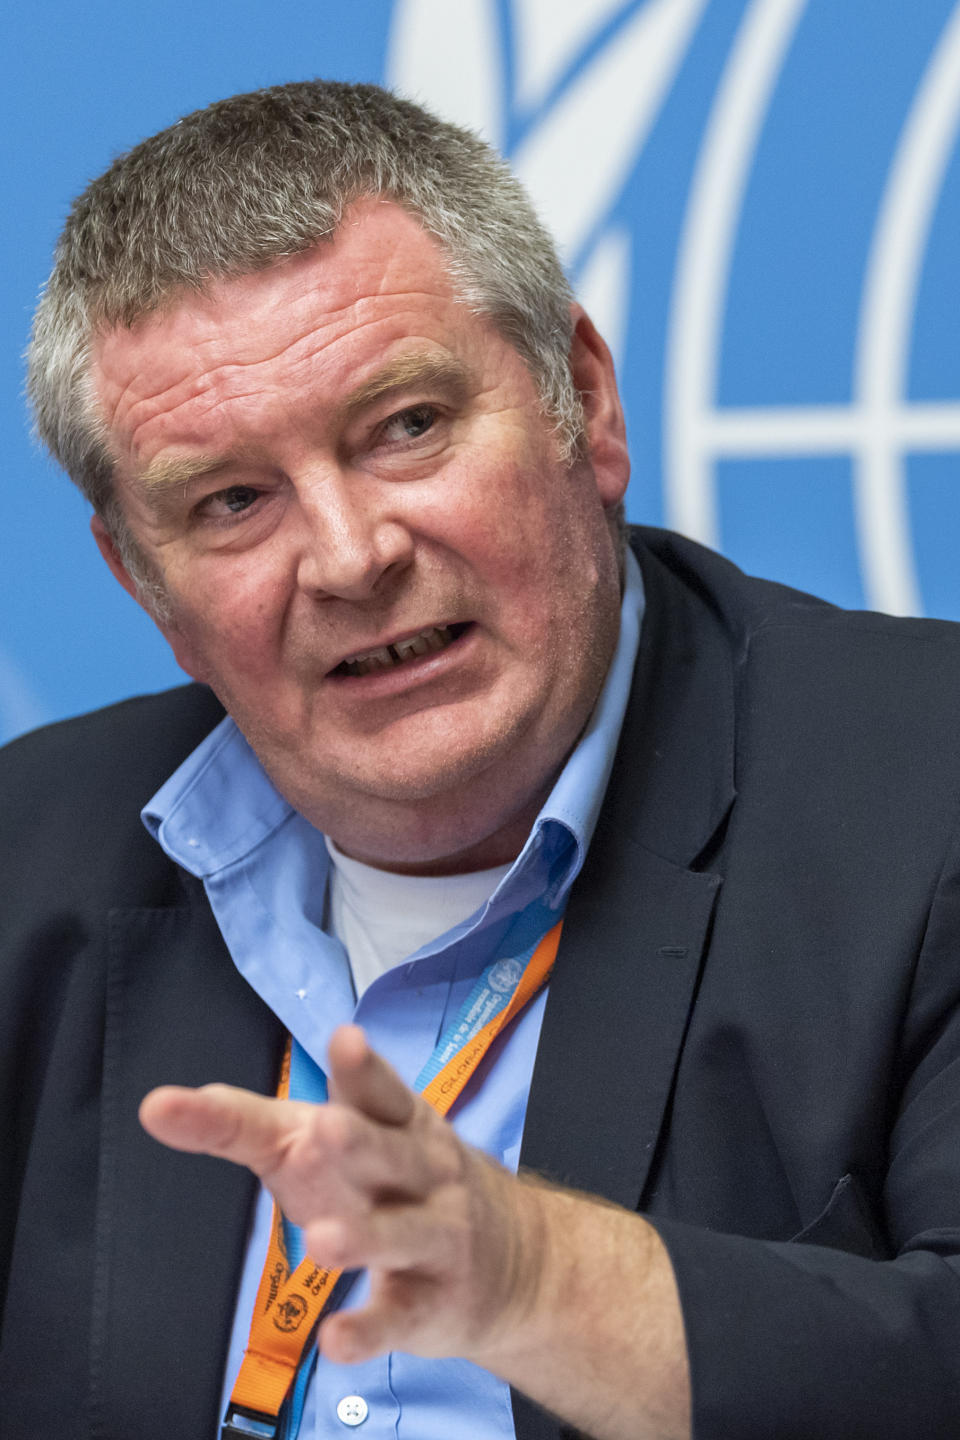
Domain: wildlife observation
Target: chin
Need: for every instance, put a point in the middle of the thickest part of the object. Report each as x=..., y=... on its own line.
x=424, y=762
x=419, y=813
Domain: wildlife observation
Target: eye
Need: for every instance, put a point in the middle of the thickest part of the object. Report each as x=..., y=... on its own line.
x=232, y=501
x=411, y=423
x=239, y=497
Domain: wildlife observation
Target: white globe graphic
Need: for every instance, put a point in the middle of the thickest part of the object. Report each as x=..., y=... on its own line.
x=588, y=82
x=878, y=427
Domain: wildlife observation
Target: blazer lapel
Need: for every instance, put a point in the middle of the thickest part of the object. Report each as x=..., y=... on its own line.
x=639, y=915
x=616, y=1013
x=171, y=1228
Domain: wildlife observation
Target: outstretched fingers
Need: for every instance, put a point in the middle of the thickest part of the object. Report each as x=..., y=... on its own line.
x=402, y=1236
x=359, y=1077
x=305, y=1153
x=218, y=1120
x=402, y=1315
x=378, y=1181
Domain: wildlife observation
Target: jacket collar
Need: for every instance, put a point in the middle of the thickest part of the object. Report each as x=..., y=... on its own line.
x=673, y=782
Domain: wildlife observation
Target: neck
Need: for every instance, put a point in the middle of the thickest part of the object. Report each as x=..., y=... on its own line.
x=498, y=848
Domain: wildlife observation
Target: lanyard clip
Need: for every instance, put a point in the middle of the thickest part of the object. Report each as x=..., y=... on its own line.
x=239, y=1423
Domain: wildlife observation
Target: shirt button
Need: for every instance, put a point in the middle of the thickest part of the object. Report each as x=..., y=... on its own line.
x=353, y=1410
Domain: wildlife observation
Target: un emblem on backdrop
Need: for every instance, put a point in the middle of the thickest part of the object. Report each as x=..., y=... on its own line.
x=784, y=174
x=758, y=201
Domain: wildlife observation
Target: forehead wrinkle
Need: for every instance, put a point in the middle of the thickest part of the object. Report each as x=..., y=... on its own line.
x=233, y=372
x=308, y=331
x=313, y=320
x=247, y=350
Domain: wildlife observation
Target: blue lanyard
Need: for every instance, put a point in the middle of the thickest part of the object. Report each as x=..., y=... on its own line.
x=490, y=995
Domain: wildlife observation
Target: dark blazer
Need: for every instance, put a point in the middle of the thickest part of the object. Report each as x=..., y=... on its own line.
x=752, y=1033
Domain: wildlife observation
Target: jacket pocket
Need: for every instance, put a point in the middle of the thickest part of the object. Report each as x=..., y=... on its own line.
x=847, y=1223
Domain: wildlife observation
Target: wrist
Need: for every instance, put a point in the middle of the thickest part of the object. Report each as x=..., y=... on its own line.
x=561, y=1257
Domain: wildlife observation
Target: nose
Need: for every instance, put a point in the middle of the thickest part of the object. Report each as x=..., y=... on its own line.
x=350, y=539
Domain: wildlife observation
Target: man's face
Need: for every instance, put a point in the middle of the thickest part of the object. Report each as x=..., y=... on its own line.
x=371, y=550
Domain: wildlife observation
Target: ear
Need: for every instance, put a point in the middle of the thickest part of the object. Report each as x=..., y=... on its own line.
x=182, y=651
x=110, y=553
x=591, y=366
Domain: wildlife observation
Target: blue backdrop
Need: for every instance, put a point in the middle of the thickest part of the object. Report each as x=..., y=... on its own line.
x=757, y=199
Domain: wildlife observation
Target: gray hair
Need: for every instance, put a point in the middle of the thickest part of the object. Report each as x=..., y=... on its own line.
x=255, y=178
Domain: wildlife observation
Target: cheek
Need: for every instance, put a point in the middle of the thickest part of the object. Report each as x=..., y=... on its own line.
x=497, y=516
x=230, y=624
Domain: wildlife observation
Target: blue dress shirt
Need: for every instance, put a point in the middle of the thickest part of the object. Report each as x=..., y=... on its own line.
x=265, y=871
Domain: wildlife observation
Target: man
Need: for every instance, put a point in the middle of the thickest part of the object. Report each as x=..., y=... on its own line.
x=314, y=363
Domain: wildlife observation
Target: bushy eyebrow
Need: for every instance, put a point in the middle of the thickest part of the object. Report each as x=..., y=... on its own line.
x=417, y=369
x=175, y=472
x=413, y=370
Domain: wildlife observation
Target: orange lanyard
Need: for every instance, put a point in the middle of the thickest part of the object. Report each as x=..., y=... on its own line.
x=288, y=1306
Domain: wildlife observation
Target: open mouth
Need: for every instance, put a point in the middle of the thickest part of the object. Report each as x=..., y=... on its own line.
x=387, y=657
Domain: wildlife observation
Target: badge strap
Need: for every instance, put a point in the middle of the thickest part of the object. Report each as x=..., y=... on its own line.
x=288, y=1306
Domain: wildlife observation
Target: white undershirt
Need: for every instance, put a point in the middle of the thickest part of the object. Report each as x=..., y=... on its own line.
x=381, y=918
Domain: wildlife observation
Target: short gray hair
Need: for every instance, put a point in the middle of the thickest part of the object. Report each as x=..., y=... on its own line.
x=235, y=187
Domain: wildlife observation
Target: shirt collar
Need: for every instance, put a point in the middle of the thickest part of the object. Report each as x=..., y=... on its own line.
x=220, y=805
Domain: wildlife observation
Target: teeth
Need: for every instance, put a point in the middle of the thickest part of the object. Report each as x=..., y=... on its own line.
x=384, y=657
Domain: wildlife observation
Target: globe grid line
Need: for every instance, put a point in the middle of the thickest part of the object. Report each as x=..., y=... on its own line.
x=880, y=425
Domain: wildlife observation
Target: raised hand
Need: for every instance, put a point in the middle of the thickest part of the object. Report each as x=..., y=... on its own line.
x=377, y=1180
x=570, y=1299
